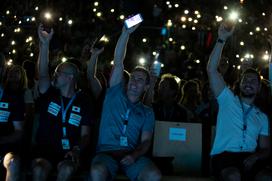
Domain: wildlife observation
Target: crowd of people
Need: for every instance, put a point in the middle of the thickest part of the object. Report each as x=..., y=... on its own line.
x=68, y=116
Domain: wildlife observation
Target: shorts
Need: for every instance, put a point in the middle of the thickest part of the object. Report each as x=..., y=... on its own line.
x=231, y=159
x=132, y=171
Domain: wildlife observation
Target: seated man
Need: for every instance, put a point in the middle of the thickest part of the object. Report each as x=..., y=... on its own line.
x=126, y=126
x=242, y=133
x=65, y=118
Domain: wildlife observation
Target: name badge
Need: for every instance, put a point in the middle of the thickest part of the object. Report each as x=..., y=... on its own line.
x=123, y=141
x=76, y=109
x=74, y=119
x=4, y=116
x=65, y=144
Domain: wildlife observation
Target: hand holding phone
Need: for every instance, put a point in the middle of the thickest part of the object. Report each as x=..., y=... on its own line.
x=134, y=20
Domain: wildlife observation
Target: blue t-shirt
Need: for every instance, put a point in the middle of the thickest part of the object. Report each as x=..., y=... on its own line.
x=116, y=106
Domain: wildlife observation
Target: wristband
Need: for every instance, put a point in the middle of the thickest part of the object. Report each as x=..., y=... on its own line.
x=220, y=40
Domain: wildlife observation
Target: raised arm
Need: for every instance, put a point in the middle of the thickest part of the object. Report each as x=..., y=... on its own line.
x=119, y=56
x=96, y=87
x=216, y=80
x=43, y=60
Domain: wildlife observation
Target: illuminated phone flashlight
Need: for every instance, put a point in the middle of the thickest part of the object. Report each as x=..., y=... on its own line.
x=233, y=16
x=104, y=38
x=9, y=63
x=47, y=15
x=142, y=61
x=63, y=59
x=70, y=22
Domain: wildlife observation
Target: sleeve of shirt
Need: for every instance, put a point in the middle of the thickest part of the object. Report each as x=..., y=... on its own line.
x=149, y=121
x=265, y=126
x=88, y=115
x=225, y=96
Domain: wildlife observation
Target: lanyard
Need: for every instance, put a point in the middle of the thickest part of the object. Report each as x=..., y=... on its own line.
x=126, y=122
x=245, y=114
x=65, y=109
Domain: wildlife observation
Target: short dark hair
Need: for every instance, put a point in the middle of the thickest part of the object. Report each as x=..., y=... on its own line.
x=252, y=71
x=144, y=70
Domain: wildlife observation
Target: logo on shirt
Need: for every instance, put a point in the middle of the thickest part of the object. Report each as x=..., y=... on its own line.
x=4, y=105
x=74, y=119
x=54, y=108
x=76, y=109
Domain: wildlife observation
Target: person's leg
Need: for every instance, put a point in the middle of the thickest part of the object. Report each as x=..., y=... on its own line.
x=41, y=169
x=230, y=174
x=12, y=165
x=103, y=167
x=66, y=169
x=143, y=170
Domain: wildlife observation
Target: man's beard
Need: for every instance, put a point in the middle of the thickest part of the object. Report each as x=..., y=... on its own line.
x=247, y=95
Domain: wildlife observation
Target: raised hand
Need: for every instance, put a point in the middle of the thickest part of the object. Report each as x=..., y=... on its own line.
x=130, y=30
x=96, y=51
x=44, y=36
x=224, y=33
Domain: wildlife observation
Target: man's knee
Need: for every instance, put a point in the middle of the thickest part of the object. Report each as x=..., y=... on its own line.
x=98, y=169
x=41, y=164
x=11, y=161
x=151, y=173
x=66, y=167
x=230, y=173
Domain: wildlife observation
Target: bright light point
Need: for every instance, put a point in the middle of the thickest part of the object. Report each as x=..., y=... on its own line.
x=258, y=28
x=193, y=28
x=225, y=7
x=177, y=79
x=167, y=2
x=2, y=34
x=162, y=65
x=219, y=18
x=183, y=26
x=63, y=59
x=195, y=21
x=20, y=22
x=70, y=22
x=33, y=19
x=183, y=19
x=7, y=12
x=169, y=23
x=263, y=14
x=182, y=47
x=240, y=20
x=47, y=15
x=251, y=56
x=239, y=67
x=36, y=8
x=242, y=59
x=233, y=16
x=237, y=56
x=99, y=14
x=154, y=53
x=122, y=17
x=142, y=61
x=9, y=63
x=104, y=39
x=60, y=19
x=30, y=38
x=190, y=19
x=186, y=11
x=198, y=16
x=13, y=51
x=13, y=42
x=196, y=12
x=169, y=6
x=170, y=39
x=96, y=3
x=197, y=61
x=242, y=43
x=265, y=29
x=0, y=23
x=266, y=57
x=94, y=9
x=247, y=55
x=31, y=54
x=261, y=77
x=176, y=5
x=251, y=33
x=112, y=62
x=112, y=10
x=144, y=40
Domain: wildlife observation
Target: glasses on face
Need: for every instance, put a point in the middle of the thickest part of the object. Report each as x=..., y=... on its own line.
x=59, y=72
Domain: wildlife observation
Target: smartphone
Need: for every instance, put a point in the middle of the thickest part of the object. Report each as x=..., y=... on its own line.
x=100, y=43
x=134, y=20
x=156, y=68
